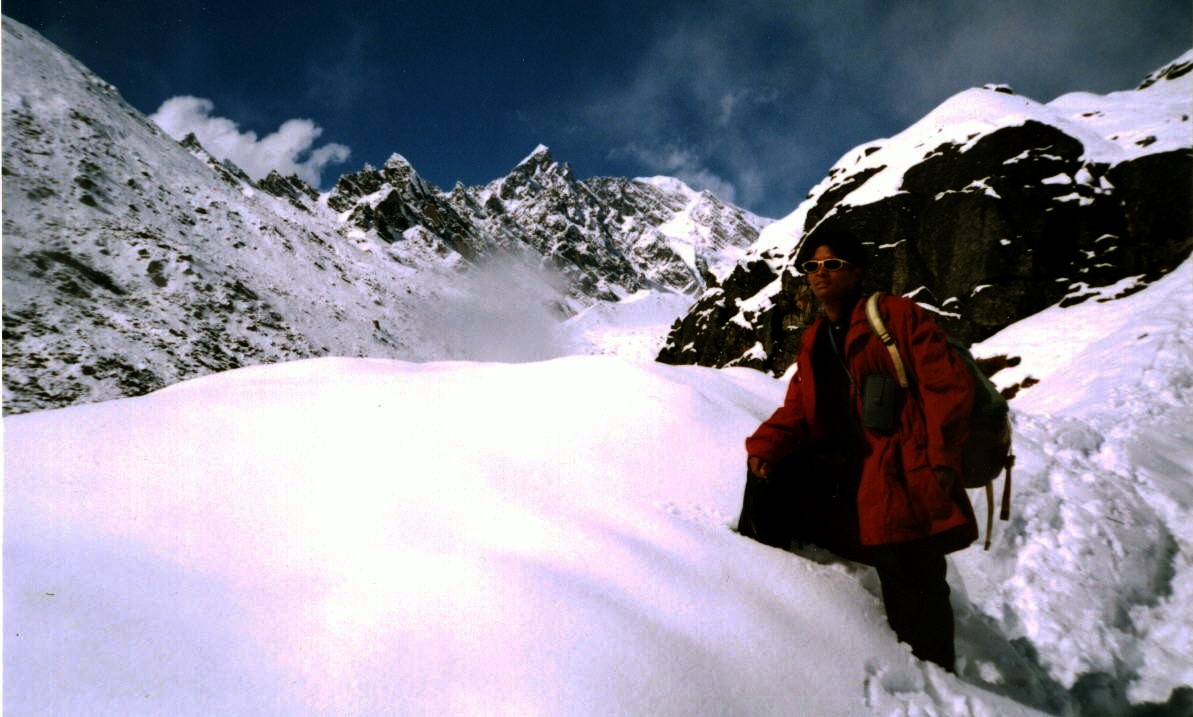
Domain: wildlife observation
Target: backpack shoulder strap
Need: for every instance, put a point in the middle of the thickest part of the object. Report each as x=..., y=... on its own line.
x=884, y=336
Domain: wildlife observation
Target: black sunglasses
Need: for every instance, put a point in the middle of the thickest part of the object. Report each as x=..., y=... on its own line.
x=811, y=266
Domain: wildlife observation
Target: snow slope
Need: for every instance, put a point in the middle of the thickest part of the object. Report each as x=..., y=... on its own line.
x=356, y=536
x=1096, y=568
x=363, y=536
x=633, y=328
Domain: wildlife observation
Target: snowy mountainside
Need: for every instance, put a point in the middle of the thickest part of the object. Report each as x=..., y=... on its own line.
x=133, y=261
x=990, y=208
x=129, y=264
x=689, y=239
x=577, y=554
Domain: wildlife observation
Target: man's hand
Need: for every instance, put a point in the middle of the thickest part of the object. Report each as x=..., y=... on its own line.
x=758, y=467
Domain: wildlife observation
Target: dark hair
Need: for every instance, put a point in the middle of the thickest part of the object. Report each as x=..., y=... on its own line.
x=843, y=243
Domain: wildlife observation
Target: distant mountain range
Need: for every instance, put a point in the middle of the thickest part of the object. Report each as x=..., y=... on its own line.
x=133, y=261
x=989, y=209
x=606, y=236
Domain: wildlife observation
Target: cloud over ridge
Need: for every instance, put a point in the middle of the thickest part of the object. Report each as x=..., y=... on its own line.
x=756, y=100
x=288, y=150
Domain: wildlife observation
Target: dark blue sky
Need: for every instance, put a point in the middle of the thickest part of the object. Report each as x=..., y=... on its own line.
x=754, y=99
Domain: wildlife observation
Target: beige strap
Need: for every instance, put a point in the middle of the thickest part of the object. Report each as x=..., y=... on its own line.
x=989, y=514
x=1005, y=509
x=885, y=336
x=887, y=340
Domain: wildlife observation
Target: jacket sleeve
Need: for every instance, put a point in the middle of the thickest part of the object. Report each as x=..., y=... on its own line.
x=788, y=427
x=784, y=431
x=944, y=385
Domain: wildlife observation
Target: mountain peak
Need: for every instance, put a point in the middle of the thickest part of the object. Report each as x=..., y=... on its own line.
x=540, y=160
x=398, y=171
x=541, y=153
x=538, y=170
x=397, y=161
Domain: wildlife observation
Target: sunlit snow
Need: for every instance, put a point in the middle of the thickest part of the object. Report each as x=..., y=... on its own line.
x=354, y=536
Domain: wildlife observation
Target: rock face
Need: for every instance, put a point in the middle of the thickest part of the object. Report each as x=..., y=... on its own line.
x=133, y=261
x=991, y=208
x=606, y=237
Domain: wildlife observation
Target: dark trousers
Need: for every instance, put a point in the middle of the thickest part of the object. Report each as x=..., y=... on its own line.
x=811, y=498
x=915, y=594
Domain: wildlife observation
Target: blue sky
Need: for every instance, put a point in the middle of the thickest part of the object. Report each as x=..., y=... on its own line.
x=752, y=99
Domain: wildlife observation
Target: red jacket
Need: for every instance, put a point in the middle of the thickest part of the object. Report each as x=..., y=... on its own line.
x=899, y=497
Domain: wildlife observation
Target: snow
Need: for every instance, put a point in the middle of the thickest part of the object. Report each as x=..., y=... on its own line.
x=635, y=327
x=689, y=233
x=1105, y=518
x=1096, y=120
x=671, y=185
x=362, y=536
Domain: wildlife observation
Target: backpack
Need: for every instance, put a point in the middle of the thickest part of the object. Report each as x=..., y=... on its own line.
x=987, y=451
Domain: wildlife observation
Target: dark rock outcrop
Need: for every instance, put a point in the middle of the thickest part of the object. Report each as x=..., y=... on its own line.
x=297, y=192
x=985, y=231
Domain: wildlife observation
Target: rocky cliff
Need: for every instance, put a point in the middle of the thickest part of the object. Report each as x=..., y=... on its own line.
x=989, y=209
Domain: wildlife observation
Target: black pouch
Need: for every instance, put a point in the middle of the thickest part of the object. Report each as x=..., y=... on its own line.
x=768, y=509
x=880, y=403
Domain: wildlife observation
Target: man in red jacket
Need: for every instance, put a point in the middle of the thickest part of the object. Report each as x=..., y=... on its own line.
x=880, y=490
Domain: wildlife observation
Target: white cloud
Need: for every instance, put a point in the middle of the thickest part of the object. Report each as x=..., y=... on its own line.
x=504, y=310
x=289, y=150
x=684, y=164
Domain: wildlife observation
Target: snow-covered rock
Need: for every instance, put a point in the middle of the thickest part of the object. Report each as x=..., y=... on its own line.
x=990, y=208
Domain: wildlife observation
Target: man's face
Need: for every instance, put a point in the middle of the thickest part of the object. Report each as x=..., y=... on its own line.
x=839, y=284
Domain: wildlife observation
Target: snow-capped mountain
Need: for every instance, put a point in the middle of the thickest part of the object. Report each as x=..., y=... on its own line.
x=133, y=261
x=607, y=237
x=990, y=208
